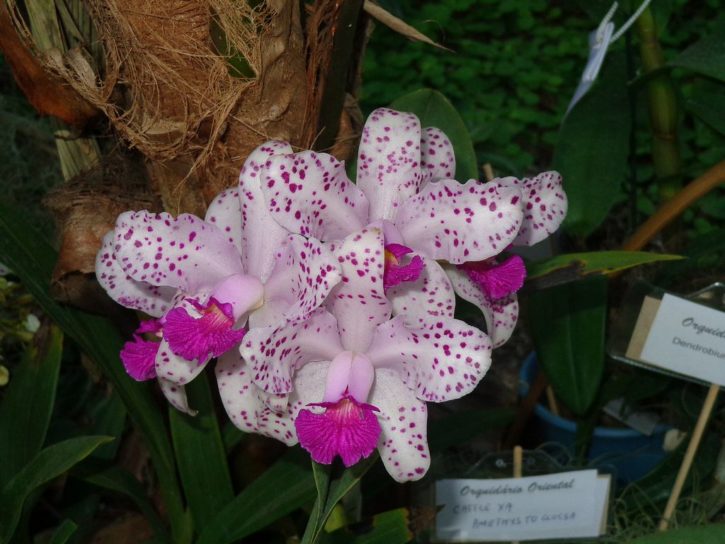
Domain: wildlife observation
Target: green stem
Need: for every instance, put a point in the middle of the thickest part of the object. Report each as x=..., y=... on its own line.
x=662, y=109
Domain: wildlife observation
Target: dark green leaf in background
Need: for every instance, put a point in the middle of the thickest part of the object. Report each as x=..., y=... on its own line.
x=568, y=326
x=200, y=455
x=707, y=56
x=63, y=533
x=434, y=110
x=708, y=104
x=28, y=404
x=284, y=487
x=45, y=466
x=593, y=149
x=390, y=527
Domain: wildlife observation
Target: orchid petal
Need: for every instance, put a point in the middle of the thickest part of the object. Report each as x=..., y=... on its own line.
x=275, y=353
x=183, y=252
x=545, y=205
x=438, y=161
x=461, y=222
x=174, y=368
x=310, y=194
x=176, y=395
x=246, y=404
x=388, y=163
x=225, y=213
x=349, y=374
x=439, y=358
x=430, y=295
x=139, y=358
x=304, y=274
x=358, y=301
x=153, y=300
x=261, y=234
x=403, y=443
x=500, y=315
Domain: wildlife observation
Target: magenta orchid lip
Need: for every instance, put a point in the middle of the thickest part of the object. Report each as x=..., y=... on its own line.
x=329, y=305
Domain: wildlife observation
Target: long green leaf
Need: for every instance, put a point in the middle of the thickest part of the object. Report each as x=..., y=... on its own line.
x=390, y=527
x=337, y=490
x=64, y=531
x=30, y=256
x=593, y=149
x=574, y=266
x=706, y=534
x=28, y=404
x=119, y=481
x=46, y=465
x=284, y=487
x=200, y=455
x=434, y=110
x=568, y=325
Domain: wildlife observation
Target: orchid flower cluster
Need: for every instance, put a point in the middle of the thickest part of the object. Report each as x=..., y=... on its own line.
x=330, y=305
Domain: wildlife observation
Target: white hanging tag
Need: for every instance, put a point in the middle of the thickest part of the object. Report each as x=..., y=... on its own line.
x=599, y=42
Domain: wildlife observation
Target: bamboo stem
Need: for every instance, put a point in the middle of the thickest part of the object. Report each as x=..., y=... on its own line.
x=702, y=419
x=671, y=209
x=518, y=468
x=662, y=105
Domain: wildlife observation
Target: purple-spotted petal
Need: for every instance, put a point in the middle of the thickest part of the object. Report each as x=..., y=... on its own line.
x=430, y=295
x=176, y=395
x=225, y=213
x=497, y=280
x=358, y=301
x=403, y=443
x=545, y=205
x=397, y=273
x=139, y=358
x=150, y=299
x=500, y=315
x=275, y=353
x=461, y=222
x=346, y=428
x=436, y=155
x=261, y=234
x=310, y=194
x=184, y=252
x=439, y=358
x=305, y=272
x=173, y=368
x=388, y=162
x=247, y=405
x=202, y=334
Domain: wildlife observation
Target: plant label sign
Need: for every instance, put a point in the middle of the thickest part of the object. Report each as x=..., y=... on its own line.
x=682, y=337
x=563, y=505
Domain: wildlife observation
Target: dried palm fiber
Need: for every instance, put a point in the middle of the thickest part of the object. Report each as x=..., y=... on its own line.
x=172, y=95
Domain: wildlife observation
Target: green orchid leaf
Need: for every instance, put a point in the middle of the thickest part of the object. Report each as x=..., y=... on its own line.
x=434, y=110
x=200, y=455
x=28, y=403
x=707, y=102
x=574, y=266
x=32, y=258
x=593, y=149
x=706, y=56
x=392, y=527
x=63, y=533
x=50, y=463
x=117, y=480
x=705, y=534
x=568, y=324
x=283, y=488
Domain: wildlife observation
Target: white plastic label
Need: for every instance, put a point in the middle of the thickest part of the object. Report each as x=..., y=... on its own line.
x=564, y=505
x=687, y=338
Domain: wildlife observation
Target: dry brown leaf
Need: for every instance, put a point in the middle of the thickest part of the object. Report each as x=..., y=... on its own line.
x=398, y=25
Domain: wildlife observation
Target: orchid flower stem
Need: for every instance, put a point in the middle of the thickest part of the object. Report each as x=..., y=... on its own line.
x=662, y=108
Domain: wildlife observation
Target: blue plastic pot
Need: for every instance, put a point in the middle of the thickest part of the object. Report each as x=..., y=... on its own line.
x=631, y=453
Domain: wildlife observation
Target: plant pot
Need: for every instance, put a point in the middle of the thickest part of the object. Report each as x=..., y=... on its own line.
x=631, y=453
